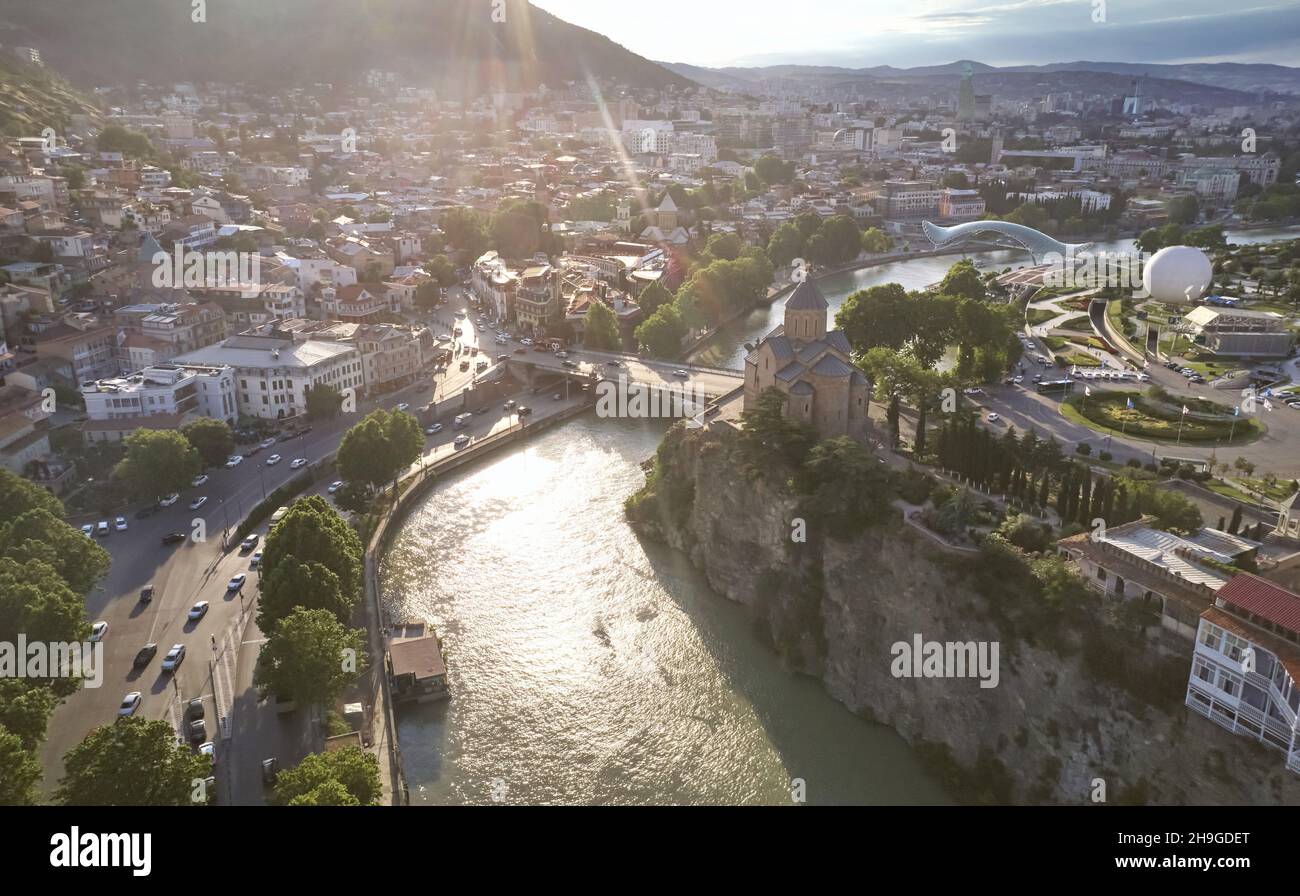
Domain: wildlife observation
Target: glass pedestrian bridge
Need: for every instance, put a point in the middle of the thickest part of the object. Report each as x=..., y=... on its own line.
x=1005, y=233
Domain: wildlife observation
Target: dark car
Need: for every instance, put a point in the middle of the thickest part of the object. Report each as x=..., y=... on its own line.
x=270, y=769
x=198, y=731
x=145, y=656
x=524, y=411
x=194, y=709
x=173, y=538
x=146, y=594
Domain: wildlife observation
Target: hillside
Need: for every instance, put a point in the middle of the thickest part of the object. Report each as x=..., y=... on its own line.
x=33, y=98
x=453, y=45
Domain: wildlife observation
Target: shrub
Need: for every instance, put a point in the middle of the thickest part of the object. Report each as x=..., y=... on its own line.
x=1105, y=455
x=1083, y=448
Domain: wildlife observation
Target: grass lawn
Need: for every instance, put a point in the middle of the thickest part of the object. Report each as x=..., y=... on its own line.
x=1077, y=325
x=1222, y=488
x=1109, y=413
x=1278, y=490
x=1036, y=316
x=1078, y=359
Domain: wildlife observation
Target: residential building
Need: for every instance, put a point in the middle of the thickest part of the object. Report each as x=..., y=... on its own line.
x=183, y=391
x=537, y=298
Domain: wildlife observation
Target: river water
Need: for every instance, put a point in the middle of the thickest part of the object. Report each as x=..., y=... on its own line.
x=588, y=667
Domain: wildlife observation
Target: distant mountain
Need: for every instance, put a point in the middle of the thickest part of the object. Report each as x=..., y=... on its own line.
x=1250, y=80
x=453, y=45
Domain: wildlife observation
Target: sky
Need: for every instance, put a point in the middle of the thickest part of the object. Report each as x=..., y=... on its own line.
x=904, y=33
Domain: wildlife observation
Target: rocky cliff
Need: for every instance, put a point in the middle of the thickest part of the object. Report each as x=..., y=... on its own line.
x=1073, y=703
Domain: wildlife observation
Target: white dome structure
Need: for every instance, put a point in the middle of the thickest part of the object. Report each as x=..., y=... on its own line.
x=1178, y=274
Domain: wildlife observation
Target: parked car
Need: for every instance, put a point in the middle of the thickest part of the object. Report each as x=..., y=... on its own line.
x=198, y=502
x=461, y=441
x=198, y=731
x=144, y=656
x=273, y=460
x=120, y=524
x=194, y=709
x=102, y=529
x=130, y=703
x=402, y=406
x=88, y=530
x=169, y=500
x=201, y=478
x=994, y=418
x=172, y=661
x=524, y=411
x=681, y=373
x=433, y=429
x=98, y=630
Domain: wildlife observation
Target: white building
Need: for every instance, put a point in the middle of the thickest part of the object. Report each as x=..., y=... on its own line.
x=181, y=390
x=1246, y=666
x=272, y=374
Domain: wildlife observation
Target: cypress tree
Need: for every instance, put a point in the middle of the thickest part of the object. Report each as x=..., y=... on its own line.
x=1235, y=525
x=1085, y=498
x=1063, y=495
x=1108, y=505
x=1044, y=490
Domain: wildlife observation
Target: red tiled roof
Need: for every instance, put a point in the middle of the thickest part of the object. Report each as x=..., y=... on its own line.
x=1263, y=598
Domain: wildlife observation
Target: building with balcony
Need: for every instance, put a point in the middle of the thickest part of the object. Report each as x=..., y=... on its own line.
x=169, y=390
x=1245, y=673
x=538, y=306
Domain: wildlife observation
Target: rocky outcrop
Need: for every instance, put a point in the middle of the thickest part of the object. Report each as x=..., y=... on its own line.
x=1055, y=723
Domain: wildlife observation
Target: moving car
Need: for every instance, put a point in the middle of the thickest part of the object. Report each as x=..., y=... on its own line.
x=198, y=502
x=236, y=582
x=255, y=562
x=101, y=528
x=524, y=411
x=173, y=538
x=209, y=750
x=297, y=463
x=130, y=703
x=509, y=405
x=273, y=460
x=681, y=373
x=402, y=406
x=266, y=443
x=198, y=730
x=249, y=543
x=994, y=418
x=433, y=429
x=172, y=661
x=198, y=611
x=461, y=441
x=335, y=486
x=280, y=513
x=145, y=656
x=233, y=461
x=203, y=477
x=146, y=594
x=169, y=500
x=88, y=529
x=98, y=630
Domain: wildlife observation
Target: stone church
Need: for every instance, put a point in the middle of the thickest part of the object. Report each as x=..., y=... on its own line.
x=812, y=367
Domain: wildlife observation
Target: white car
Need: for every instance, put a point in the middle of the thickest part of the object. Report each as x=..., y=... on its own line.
x=255, y=561
x=130, y=703
x=198, y=502
x=169, y=500
x=200, y=479
x=433, y=429
x=461, y=441
x=298, y=462
x=273, y=460
x=335, y=486
x=994, y=418
x=97, y=631
x=88, y=530
x=265, y=443
x=198, y=611
x=236, y=582
x=403, y=406
x=101, y=528
x=172, y=661
x=561, y=355
x=682, y=373
x=234, y=460
x=120, y=524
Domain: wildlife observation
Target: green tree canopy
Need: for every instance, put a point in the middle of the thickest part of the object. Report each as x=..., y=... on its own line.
x=296, y=583
x=131, y=762
x=380, y=447
x=20, y=771
x=847, y=487
x=323, y=779
x=211, y=438
x=600, y=331
x=157, y=462
x=19, y=495
x=661, y=334
x=312, y=533
x=40, y=535
x=310, y=657
x=323, y=401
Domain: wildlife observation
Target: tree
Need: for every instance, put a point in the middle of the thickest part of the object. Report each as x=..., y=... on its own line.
x=515, y=233
x=726, y=246
x=785, y=245
x=771, y=170
x=157, y=462
x=312, y=533
x=310, y=657
x=964, y=281
x=131, y=762
x=1183, y=210
x=601, y=329
x=1024, y=532
x=654, y=297
x=380, y=447
x=1235, y=526
x=876, y=241
x=441, y=268
x=295, y=584
x=348, y=777
x=19, y=495
x=768, y=434
x=39, y=535
x=878, y=317
x=661, y=334
x=323, y=401
x=465, y=231
x=847, y=487
x=212, y=439
x=20, y=771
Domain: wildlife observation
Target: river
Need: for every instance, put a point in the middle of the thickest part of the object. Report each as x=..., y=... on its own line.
x=589, y=668
x=727, y=348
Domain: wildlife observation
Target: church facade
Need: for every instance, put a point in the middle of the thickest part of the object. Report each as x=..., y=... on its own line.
x=811, y=367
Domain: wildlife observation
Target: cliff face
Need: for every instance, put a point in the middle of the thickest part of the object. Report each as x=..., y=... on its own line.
x=833, y=609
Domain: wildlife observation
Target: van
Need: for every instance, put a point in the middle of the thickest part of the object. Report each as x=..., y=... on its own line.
x=460, y=421
x=279, y=514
